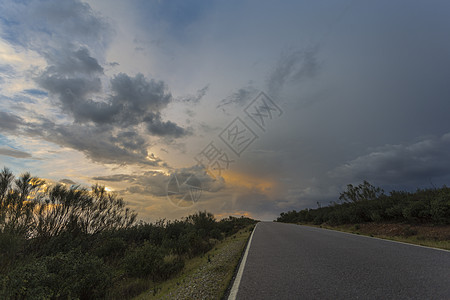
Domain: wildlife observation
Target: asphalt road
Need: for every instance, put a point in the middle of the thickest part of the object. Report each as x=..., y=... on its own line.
x=288, y=261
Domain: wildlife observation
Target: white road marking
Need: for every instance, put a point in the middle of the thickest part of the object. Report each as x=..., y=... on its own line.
x=237, y=280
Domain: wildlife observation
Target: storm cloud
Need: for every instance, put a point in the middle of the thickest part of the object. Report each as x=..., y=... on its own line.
x=72, y=38
x=139, y=89
x=427, y=159
x=292, y=67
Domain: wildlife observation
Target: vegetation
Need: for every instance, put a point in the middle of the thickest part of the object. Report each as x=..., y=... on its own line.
x=366, y=203
x=436, y=236
x=73, y=243
x=206, y=276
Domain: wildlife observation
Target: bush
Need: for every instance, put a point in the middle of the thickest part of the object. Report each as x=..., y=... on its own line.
x=111, y=248
x=64, y=243
x=366, y=203
x=143, y=261
x=150, y=261
x=70, y=275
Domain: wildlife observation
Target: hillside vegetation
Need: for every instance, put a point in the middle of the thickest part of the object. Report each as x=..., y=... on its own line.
x=366, y=203
x=73, y=243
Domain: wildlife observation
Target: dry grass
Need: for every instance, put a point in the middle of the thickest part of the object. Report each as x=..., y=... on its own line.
x=425, y=235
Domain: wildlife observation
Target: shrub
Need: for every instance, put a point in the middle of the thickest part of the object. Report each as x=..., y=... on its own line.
x=70, y=275
x=110, y=248
x=366, y=203
x=143, y=261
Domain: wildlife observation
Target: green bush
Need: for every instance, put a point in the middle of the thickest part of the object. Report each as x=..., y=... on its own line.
x=149, y=260
x=62, y=276
x=366, y=203
x=143, y=261
x=110, y=248
x=75, y=243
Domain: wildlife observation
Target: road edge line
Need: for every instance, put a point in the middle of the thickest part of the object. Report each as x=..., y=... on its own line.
x=237, y=280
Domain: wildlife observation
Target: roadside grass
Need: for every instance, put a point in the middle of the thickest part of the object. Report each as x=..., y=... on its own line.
x=204, y=277
x=424, y=235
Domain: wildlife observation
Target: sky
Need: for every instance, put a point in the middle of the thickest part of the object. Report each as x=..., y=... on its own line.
x=242, y=108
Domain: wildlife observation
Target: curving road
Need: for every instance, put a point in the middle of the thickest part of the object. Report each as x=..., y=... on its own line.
x=288, y=261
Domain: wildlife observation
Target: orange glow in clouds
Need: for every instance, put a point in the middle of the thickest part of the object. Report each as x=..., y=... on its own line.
x=256, y=184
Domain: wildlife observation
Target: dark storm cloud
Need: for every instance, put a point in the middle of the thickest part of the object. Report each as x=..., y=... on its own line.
x=14, y=153
x=293, y=67
x=9, y=122
x=401, y=164
x=160, y=128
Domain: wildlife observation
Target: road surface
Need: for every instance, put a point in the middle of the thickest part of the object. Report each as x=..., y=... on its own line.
x=287, y=261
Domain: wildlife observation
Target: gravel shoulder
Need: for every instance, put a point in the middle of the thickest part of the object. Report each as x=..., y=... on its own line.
x=206, y=277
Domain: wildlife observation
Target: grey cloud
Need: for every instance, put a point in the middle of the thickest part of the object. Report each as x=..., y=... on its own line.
x=6, y=69
x=140, y=94
x=130, y=140
x=72, y=38
x=157, y=188
x=72, y=93
x=67, y=181
x=194, y=99
x=155, y=183
x=239, y=98
x=41, y=23
x=69, y=89
x=70, y=62
x=9, y=122
x=401, y=164
x=160, y=128
x=72, y=78
x=98, y=143
x=150, y=183
x=116, y=178
x=134, y=100
x=135, y=189
x=293, y=67
x=208, y=183
x=141, y=100
x=14, y=153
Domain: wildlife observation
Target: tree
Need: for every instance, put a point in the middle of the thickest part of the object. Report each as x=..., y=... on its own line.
x=364, y=191
x=30, y=209
x=18, y=201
